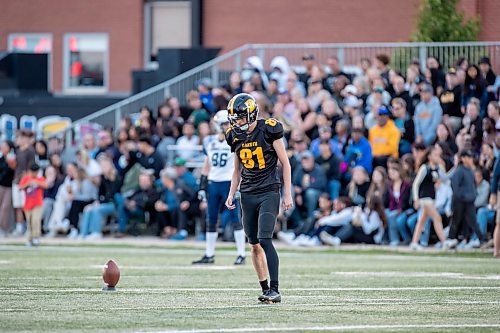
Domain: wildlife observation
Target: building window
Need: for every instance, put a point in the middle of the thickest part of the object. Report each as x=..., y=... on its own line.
x=30, y=43
x=86, y=68
x=33, y=43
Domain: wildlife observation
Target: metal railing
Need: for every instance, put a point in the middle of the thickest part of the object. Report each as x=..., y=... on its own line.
x=220, y=68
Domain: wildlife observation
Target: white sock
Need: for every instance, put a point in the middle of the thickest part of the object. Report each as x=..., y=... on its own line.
x=239, y=237
x=211, y=239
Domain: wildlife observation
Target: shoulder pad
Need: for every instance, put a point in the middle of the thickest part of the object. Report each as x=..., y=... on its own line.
x=273, y=129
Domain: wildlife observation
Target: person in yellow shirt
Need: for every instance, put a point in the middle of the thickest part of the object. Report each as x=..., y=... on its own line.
x=384, y=138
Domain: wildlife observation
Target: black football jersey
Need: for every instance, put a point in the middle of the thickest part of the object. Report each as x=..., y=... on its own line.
x=257, y=156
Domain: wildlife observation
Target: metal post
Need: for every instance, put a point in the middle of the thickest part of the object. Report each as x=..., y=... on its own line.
x=422, y=57
x=238, y=62
x=341, y=56
x=118, y=118
x=215, y=75
x=166, y=92
x=68, y=138
x=261, y=54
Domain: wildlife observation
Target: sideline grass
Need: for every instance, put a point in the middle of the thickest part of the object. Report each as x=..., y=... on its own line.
x=57, y=289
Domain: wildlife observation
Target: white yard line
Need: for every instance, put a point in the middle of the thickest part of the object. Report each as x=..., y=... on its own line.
x=332, y=328
x=169, y=290
x=231, y=252
x=419, y=274
x=282, y=306
x=176, y=267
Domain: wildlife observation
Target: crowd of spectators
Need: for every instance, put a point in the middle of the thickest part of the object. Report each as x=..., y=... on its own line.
x=378, y=156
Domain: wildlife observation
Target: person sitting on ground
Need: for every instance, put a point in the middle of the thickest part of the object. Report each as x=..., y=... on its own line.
x=358, y=186
x=341, y=215
x=367, y=226
x=167, y=204
x=294, y=237
x=186, y=188
x=399, y=208
x=94, y=215
x=83, y=195
x=142, y=199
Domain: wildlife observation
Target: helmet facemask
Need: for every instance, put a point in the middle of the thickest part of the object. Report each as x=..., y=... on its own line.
x=243, y=106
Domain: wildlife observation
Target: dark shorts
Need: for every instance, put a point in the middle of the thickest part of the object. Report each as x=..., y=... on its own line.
x=259, y=214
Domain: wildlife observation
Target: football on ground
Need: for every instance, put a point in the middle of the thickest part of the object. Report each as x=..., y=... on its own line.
x=111, y=274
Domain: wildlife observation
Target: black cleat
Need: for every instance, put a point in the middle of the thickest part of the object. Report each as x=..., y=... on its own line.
x=240, y=260
x=205, y=260
x=270, y=296
x=262, y=297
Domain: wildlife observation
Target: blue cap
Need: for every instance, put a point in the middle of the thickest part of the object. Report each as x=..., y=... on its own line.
x=383, y=111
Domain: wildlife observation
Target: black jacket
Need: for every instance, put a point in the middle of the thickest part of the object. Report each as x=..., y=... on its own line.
x=330, y=166
x=463, y=184
x=6, y=173
x=108, y=188
x=145, y=199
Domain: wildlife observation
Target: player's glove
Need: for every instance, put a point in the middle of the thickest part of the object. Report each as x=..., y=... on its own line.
x=203, y=183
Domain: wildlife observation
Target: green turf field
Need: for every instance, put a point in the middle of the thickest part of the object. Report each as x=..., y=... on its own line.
x=57, y=289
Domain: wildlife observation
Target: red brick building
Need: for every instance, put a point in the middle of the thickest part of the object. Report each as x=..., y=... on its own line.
x=94, y=44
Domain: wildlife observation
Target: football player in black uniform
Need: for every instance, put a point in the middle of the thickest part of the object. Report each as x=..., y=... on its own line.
x=258, y=146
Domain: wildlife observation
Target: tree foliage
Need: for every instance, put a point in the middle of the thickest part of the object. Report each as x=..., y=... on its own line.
x=440, y=21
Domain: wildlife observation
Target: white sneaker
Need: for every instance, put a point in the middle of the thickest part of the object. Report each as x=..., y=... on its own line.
x=286, y=237
x=450, y=244
x=35, y=242
x=462, y=244
x=299, y=240
x=416, y=247
x=63, y=226
x=446, y=231
x=312, y=242
x=20, y=230
x=438, y=245
x=94, y=236
x=472, y=244
x=73, y=233
x=329, y=239
x=51, y=234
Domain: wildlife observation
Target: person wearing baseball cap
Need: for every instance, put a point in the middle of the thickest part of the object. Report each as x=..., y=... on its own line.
x=428, y=115
x=384, y=138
